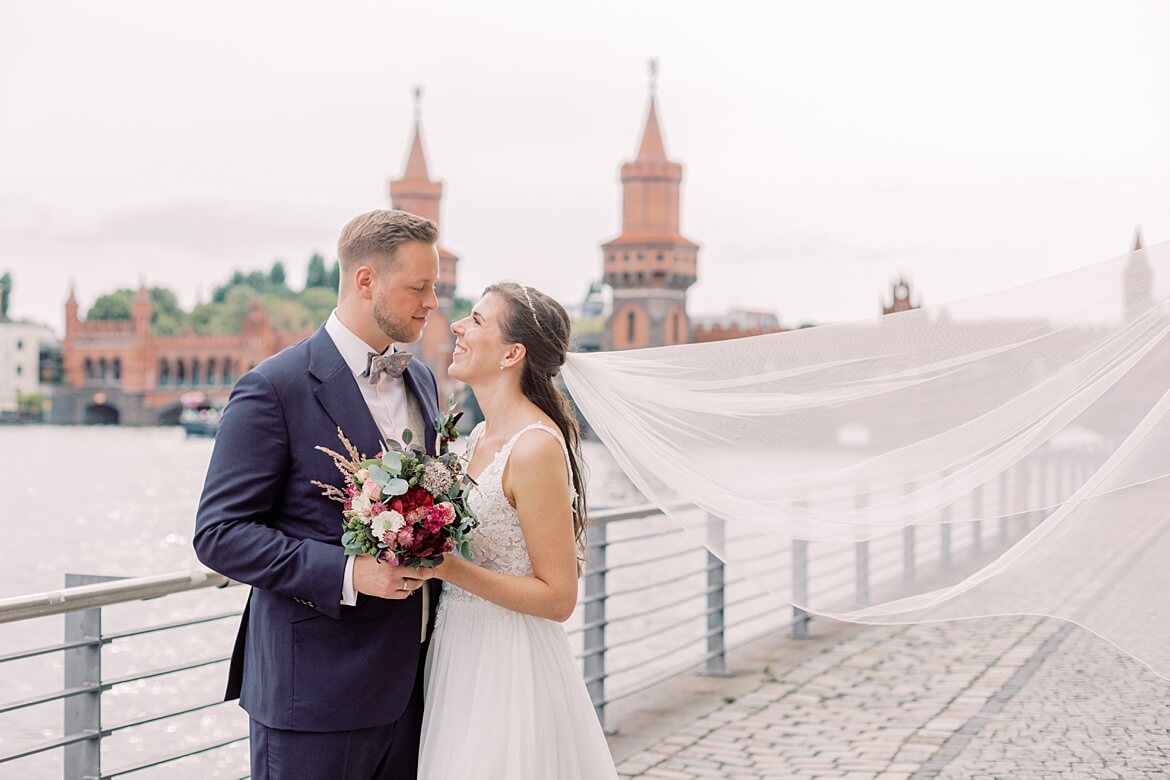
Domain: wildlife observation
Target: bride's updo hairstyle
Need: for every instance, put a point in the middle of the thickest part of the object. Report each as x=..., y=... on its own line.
x=542, y=326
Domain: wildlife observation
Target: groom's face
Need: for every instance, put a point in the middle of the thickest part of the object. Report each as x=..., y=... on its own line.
x=403, y=293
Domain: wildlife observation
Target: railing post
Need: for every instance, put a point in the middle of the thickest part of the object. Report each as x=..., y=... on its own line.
x=908, y=554
x=83, y=668
x=946, y=516
x=716, y=651
x=1044, y=465
x=594, y=639
x=977, y=525
x=800, y=616
x=1004, y=507
x=1024, y=492
x=861, y=553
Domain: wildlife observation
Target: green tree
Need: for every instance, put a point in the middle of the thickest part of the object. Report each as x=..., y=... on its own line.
x=316, y=275
x=334, y=280
x=319, y=302
x=5, y=295
x=226, y=316
x=276, y=275
x=167, y=316
x=460, y=308
x=112, y=306
x=220, y=293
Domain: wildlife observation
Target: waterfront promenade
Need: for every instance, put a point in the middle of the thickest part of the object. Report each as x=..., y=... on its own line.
x=994, y=698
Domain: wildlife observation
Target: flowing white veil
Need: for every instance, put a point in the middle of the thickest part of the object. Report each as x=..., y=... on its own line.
x=1031, y=422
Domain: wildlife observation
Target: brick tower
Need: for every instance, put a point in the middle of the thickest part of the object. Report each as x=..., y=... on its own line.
x=650, y=265
x=417, y=193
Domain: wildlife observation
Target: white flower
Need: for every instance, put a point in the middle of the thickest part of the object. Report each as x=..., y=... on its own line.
x=360, y=504
x=387, y=521
x=437, y=479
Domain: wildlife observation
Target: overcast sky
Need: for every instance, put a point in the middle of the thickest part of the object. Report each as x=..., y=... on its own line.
x=827, y=146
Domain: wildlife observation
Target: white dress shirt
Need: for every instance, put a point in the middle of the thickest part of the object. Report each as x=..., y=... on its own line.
x=386, y=400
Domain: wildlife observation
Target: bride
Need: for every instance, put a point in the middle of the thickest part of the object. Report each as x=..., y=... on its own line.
x=504, y=695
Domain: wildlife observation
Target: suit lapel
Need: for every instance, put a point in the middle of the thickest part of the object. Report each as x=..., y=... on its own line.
x=419, y=385
x=338, y=393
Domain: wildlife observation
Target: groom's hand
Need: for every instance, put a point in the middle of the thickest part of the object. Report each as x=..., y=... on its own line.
x=386, y=581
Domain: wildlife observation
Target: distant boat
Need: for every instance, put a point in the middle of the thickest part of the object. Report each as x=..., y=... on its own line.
x=199, y=417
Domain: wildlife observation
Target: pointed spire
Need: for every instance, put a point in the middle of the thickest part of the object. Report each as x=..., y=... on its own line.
x=652, y=147
x=1137, y=238
x=72, y=291
x=416, y=162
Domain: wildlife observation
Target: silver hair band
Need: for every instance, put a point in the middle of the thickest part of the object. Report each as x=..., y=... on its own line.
x=531, y=306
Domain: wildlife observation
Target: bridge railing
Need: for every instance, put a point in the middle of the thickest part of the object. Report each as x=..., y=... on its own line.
x=655, y=604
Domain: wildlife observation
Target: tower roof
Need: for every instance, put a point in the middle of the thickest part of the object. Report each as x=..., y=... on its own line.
x=652, y=147
x=416, y=161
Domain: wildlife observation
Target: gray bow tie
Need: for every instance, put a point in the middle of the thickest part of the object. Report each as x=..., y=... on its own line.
x=391, y=364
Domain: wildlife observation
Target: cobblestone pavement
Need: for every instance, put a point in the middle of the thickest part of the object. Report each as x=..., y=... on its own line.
x=1004, y=698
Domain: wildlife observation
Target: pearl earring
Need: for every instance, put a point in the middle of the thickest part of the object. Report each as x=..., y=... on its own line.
x=501, y=365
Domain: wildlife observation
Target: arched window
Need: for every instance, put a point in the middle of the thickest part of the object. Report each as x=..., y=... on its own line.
x=631, y=324
x=227, y=371
x=180, y=372
x=89, y=368
x=194, y=371
x=209, y=375
x=103, y=369
x=164, y=372
x=118, y=368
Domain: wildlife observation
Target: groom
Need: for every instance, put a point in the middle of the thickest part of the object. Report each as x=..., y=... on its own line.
x=328, y=659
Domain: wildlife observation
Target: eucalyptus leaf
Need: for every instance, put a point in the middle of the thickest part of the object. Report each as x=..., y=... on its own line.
x=395, y=487
x=392, y=462
x=407, y=436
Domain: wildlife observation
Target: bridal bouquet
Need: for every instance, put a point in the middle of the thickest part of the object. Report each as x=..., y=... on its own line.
x=403, y=506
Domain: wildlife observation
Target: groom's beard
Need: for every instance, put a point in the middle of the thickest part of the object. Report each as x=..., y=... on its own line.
x=400, y=329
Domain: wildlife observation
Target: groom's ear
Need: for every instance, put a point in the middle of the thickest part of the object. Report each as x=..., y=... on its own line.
x=363, y=277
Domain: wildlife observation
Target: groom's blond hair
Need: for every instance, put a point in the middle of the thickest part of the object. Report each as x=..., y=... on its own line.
x=379, y=234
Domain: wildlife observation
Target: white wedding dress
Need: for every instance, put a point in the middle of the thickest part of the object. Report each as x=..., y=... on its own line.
x=504, y=695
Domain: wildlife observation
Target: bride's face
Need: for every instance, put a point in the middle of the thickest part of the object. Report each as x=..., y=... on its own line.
x=479, y=341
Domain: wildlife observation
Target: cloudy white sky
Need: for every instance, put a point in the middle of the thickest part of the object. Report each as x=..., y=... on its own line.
x=827, y=146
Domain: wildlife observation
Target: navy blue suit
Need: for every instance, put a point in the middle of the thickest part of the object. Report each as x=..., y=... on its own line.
x=302, y=661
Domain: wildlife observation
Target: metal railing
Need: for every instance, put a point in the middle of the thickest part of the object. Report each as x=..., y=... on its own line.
x=655, y=604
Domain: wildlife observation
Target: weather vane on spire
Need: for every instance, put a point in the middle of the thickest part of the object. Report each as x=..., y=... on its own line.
x=417, y=102
x=653, y=68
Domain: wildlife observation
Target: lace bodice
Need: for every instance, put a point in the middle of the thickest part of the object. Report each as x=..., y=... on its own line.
x=498, y=542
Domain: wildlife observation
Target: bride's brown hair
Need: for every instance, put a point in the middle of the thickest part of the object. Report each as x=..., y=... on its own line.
x=542, y=326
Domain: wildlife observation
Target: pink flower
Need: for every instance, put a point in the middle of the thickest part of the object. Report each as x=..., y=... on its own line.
x=405, y=537
x=448, y=512
x=371, y=490
x=362, y=475
x=378, y=508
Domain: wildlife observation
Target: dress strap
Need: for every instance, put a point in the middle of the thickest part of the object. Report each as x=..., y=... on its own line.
x=473, y=440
